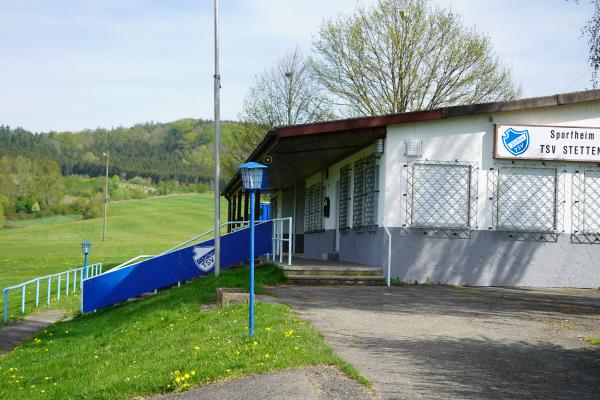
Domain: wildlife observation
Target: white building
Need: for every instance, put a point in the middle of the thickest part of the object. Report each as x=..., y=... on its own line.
x=502, y=193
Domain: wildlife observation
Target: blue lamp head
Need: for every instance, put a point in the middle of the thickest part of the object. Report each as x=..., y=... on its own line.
x=252, y=174
x=86, y=247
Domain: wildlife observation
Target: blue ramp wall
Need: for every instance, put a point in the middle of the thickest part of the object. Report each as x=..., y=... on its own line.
x=166, y=270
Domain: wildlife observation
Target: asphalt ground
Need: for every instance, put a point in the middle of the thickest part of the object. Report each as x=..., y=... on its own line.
x=439, y=342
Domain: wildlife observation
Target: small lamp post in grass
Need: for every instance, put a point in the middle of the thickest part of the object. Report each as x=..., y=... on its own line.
x=85, y=248
x=252, y=174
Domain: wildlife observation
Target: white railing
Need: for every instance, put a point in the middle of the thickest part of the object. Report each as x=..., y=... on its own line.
x=279, y=239
x=70, y=285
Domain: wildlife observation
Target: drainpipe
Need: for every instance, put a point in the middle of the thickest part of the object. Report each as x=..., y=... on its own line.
x=389, y=255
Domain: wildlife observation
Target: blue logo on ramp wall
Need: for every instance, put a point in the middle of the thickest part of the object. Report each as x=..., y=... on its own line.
x=516, y=142
x=204, y=258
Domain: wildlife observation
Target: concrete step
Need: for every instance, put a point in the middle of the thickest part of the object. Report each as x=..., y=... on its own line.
x=336, y=279
x=333, y=272
x=316, y=268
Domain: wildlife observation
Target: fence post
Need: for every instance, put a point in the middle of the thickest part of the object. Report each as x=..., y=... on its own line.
x=23, y=299
x=58, y=287
x=5, y=305
x=67, y=284
x=74, y=281
x=49, y=289
x=290, y=240
x=37, y=293
x=281, y=242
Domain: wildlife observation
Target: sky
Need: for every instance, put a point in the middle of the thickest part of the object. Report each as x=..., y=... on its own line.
x=84, y=64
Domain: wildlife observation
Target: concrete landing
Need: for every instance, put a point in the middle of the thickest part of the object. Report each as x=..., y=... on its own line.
x=13, y=335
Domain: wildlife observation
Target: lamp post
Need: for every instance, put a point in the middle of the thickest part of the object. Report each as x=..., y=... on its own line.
x=252, y=174
x=85, y=248
x=107, y=155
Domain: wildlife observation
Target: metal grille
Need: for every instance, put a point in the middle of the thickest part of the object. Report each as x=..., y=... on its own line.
x=442, y=195
x=364, y=211
x=527, y=199
x=585, y=217
x=359, y=191
x=371, y=192
x=344, y=199
x=313, y=208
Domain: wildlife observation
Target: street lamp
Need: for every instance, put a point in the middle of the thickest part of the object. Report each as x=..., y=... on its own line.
x=85, y=248
x=252, y=174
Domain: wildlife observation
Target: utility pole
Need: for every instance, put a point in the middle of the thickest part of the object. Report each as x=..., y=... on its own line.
x=107, y=154
x=217, y=146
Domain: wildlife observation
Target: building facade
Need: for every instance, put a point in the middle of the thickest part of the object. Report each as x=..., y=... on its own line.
x=502, y=194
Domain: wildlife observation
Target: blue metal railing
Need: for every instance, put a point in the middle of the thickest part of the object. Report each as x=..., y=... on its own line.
x=71, y=280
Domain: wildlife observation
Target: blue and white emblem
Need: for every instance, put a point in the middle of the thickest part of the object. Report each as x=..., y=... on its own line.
x=204, y=258
x=516, y=142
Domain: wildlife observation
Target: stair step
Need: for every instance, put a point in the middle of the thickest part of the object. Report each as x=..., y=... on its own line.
x=330, y=272
x=349, y=268
x=335, y=280
x=337, y=277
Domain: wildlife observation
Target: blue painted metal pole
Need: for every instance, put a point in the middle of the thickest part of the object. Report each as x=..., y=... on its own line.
x=37, y=293
x=251, y=323
x=23, y=299
x=6, y=305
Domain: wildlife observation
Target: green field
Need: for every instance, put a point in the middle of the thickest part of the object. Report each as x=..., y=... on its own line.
x=164, y=343
x=135, y=227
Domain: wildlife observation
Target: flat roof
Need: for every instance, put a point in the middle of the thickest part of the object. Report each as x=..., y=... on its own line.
x=298, y=151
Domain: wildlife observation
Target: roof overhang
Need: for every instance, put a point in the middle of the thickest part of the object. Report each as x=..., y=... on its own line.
x=299, y=151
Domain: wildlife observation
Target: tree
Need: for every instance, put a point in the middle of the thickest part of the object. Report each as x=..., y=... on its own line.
x=592, y=31
x=287, y=94
x=405, y=55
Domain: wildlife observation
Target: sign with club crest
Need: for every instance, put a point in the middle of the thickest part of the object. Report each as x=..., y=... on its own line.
x=204, y=258
x=539, y=142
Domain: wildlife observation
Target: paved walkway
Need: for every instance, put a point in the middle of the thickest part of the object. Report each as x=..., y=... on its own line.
x=13, y=335
x=434, y=342
x=313, y=383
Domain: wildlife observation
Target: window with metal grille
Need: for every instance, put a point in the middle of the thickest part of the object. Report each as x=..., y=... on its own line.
x=344, y=200
x=441, y=195
x=313, y=208
x=526, y=199
x=585, y=217
x=364, y=205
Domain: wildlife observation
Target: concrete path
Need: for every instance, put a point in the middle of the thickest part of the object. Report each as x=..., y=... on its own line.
x=435, y=342
x=23, y=330
x=313, y=383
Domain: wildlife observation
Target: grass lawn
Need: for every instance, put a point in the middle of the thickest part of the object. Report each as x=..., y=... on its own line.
x=134, y=227
x=163, y=343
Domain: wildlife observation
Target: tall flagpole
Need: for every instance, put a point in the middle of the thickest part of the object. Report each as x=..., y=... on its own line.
x=217, y=146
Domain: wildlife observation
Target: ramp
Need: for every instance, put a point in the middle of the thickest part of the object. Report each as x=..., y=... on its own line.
x=168, y=269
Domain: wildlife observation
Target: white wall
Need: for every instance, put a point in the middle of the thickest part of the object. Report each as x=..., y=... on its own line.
x=470, y=139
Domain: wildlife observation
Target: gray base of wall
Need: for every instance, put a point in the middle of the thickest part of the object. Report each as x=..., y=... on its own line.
x=319, y=243
x=484, y=259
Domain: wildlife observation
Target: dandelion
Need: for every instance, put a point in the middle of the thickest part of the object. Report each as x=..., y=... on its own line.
x=268, y=329
x=187, y=376
x=46, y=378
x=237, y=353
x=267, y=356
x=43, y=391
x=227, y=370
x=197, y=347
x=178, y=379
x=177, y=372
x=296, y=348
x=193, y=373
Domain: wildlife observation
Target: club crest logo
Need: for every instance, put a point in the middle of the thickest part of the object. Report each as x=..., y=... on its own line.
x=204, y=258
x=516, y=142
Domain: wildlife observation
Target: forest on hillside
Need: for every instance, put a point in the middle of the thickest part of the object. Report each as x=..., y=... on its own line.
x=181, y=150
x=62, y=173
